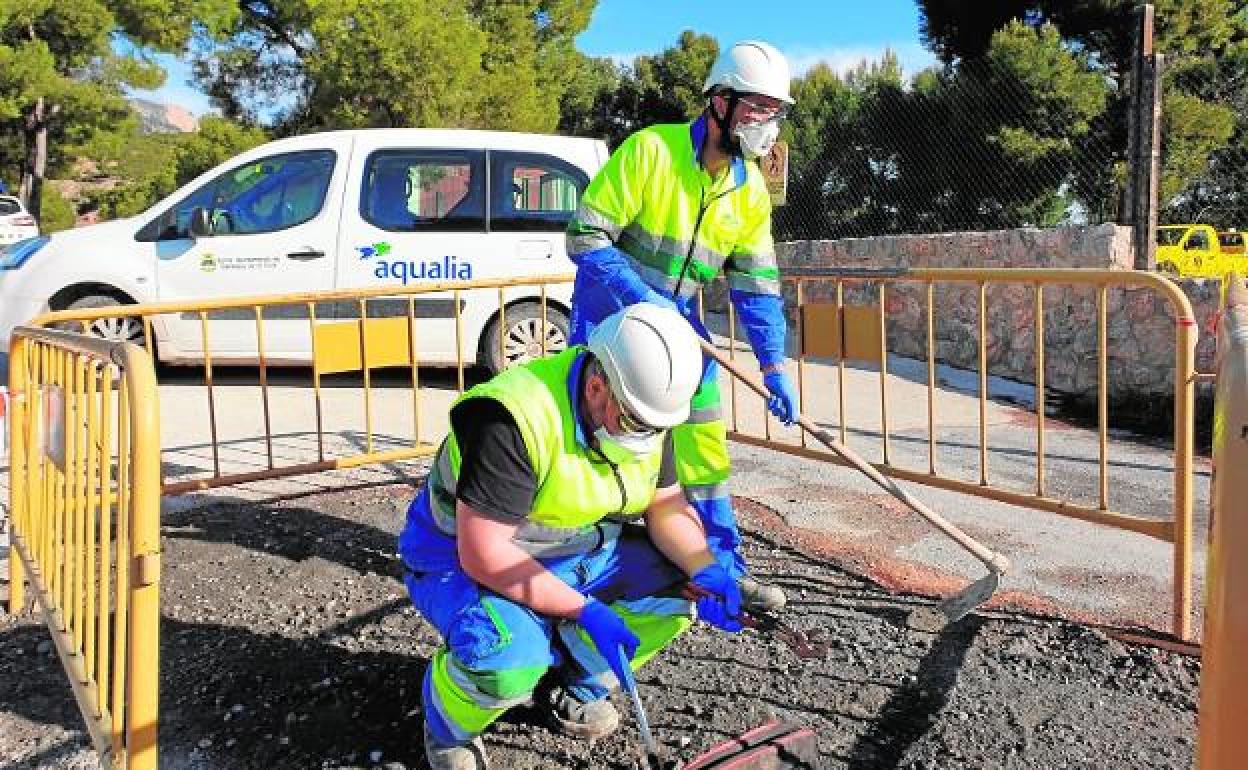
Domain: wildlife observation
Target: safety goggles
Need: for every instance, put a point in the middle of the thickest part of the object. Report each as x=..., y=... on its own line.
x=630, y=423
x=756, y=111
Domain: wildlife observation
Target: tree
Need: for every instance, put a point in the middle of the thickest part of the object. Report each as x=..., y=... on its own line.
x=57, y=212
x=955, y=30
x=589, y=106
x=984, y=143
x=217, y=140
x=62, y=77
x=669, y=84
x=1217, y=188
x=1200, y=37
x=1040, y=101
x=828, y=170
x=611, y=101
x=355, y=63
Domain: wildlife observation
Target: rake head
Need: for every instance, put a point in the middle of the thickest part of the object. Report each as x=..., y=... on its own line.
x=956, y=607
x=965, y=601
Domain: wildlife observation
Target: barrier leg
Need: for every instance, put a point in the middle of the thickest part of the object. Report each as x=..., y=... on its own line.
x=17, y=582
x=1223, y=742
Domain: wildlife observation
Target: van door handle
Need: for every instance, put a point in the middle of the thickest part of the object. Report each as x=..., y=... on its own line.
x=304, y=256
x=534, y=250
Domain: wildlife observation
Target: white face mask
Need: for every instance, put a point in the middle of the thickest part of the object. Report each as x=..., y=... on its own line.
x=628, y=447
x=757, y=139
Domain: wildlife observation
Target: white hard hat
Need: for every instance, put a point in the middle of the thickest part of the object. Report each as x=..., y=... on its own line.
x=652, y=360
x=751, y=67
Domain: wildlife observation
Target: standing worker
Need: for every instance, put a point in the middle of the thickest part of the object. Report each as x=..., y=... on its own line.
x=520, y=548
x=673, y=206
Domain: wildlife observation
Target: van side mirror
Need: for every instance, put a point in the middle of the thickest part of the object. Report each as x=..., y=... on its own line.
x=201, y=223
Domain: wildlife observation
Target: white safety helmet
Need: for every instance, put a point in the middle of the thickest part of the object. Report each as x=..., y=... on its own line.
x=751, y=67
x=652, y=360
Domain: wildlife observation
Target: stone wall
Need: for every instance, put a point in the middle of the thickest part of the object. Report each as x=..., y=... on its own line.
x=1106, y=246
x=1140, y=321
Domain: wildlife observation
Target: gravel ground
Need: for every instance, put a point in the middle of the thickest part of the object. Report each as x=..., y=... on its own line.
x=288, y=642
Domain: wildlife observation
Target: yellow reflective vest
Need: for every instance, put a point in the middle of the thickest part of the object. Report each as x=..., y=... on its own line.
x=676, y=224
x=576, y=486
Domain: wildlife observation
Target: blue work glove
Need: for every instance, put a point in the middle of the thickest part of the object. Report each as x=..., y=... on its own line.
x=655, y=298
x=610, y=636
x=721, y=606
x=783, y=401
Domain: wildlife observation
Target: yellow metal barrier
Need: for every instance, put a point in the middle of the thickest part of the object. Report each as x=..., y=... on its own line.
x=1223, y=743
x=358, y=345
x=85, y=505
x=367, y=342
x=853, y=332
x=70, y=510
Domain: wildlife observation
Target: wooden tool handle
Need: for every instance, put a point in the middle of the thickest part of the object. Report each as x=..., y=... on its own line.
x=990, y=558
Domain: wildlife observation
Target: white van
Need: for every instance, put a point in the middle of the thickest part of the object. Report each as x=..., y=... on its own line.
x=336, y=210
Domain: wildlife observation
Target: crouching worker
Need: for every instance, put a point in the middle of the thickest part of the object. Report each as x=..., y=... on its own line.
x=523, y=548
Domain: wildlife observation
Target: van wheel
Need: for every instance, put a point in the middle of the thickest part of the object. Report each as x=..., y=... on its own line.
x=523, y=340
x=126, y=329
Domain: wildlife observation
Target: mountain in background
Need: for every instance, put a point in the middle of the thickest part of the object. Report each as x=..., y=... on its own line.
x=157, y=118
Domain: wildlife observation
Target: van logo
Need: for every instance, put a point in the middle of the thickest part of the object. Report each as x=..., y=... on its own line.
x=376, y=250
x=449, y=268
x=208, y=262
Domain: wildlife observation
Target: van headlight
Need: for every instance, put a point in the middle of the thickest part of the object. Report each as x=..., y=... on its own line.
x=15, y=255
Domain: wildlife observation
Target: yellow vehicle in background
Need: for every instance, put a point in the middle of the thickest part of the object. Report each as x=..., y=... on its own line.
x=1199, y=251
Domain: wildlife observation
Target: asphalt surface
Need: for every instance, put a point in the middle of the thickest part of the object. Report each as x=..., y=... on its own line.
x=288, y=643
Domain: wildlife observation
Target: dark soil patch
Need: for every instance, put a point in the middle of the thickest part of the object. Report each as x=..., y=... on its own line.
x=288, y=642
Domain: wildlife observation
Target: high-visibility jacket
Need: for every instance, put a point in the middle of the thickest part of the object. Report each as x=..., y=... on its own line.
x=576, y=486
x=653, y=212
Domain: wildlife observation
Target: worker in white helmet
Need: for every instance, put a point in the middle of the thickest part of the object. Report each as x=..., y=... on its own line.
x=522, y=548
x=674, y=207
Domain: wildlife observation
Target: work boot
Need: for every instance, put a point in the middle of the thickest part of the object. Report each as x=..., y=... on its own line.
x=469, y=756
x=595, y=719
x=760, y=597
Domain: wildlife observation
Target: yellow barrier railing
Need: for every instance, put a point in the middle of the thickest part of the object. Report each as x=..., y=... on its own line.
x=1223, y=743
x=843, y=331
x=84, y=499
x=360, y=345
x=70, y=508
x=367, y=342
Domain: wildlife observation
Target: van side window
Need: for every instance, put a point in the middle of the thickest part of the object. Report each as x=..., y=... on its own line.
x=9, y=206
x=424, y=190
x=1197, y=240
x=263, y=196
x=533, y=192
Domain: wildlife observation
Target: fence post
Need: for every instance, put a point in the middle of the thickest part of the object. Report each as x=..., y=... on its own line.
x=1149, y=162
x=1139, y=201
x=1223, y=742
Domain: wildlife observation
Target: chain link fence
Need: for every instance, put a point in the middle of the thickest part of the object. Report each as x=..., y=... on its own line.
x=1205, y=143
x=972, y=147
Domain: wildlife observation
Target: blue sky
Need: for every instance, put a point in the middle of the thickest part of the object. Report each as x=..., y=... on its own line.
x=838, y=32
